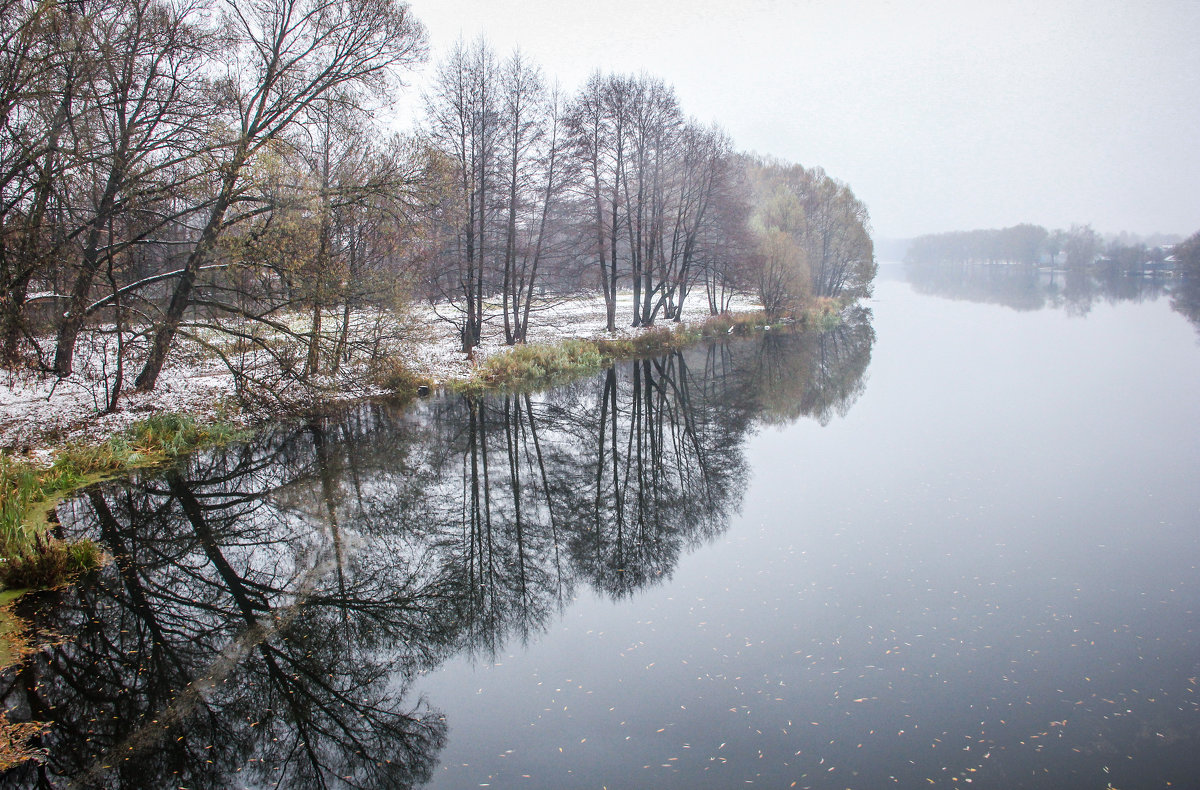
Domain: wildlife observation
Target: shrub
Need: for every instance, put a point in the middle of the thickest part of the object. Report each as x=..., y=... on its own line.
x=656, y=339
x=616, y=348
x=823, y=314
x=398, y=379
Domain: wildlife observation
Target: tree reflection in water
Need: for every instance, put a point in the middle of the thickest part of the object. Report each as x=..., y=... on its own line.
x=222, y=639
x=270, y=604
x=1020, y=287
x=1185, y=298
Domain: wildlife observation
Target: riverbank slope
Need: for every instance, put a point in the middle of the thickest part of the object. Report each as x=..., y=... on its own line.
x=40, y=412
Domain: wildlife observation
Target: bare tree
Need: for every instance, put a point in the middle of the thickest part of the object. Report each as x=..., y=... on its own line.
x=704, y=174
x=523, y=121
x=138, y=133
x=650, y=181
x=361, y=197
x=535, y=171
x=44, y=62
x=464, y=128
x=285, y=56
x=598, y=122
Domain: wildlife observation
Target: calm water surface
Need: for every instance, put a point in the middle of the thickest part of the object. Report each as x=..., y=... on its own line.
x=954, y=542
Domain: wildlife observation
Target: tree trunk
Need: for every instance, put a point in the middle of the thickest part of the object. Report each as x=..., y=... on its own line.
x=73, y=318
x=164, y=336
x=312, y=364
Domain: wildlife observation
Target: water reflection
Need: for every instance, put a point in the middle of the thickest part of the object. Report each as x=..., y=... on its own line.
x=270, y=605
x=1185, y=299
x=230, y=636
x=1075, y=291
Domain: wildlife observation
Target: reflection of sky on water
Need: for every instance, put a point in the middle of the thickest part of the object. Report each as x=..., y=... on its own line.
x=271, y=603
x=975, y=559
x=986, y=570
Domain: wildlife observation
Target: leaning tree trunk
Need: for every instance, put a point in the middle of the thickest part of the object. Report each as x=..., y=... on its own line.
x=164, y=336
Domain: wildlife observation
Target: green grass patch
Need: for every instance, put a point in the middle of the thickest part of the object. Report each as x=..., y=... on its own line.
x=534, y=365
x=29, y=555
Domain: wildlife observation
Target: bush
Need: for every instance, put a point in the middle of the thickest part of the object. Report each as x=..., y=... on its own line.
x=616, y=348
x=397, y=379
x=823, y=314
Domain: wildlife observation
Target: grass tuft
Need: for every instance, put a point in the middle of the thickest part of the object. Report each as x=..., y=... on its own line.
x=535, y=365
x=733, y=324
x=48, y=562
x=29, y=557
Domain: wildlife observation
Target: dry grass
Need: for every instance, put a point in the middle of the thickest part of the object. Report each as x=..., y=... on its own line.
x=538, y=365
x=14, y=741
x=535, y=365
x=399, y=379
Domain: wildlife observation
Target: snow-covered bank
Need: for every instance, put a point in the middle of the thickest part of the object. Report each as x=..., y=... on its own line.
x=38, y=411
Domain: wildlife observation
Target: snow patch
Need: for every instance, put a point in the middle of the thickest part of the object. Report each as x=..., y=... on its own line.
x=38, y=409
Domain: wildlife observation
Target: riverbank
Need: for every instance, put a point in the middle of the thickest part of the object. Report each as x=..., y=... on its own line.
x=56, y=439
x=40, y=413
x=157, y=434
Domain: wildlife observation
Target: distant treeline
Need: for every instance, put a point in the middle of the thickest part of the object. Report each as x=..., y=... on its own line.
x=1034, y=245
x=1094, y=265
x=1186, y=296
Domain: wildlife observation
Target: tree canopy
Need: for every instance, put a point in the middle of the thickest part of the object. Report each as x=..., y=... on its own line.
x=176, y=175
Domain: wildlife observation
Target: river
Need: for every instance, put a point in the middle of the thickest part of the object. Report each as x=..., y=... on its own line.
x=954, y=541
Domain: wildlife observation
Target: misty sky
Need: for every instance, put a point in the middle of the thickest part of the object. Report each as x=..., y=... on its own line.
x=941, y=116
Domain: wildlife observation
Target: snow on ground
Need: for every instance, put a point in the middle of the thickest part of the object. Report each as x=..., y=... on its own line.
x=38, y=410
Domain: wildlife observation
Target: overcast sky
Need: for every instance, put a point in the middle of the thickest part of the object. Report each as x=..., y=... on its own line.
x=941, y=116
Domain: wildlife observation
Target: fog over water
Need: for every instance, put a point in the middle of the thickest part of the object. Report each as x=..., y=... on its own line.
x=940, y=115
